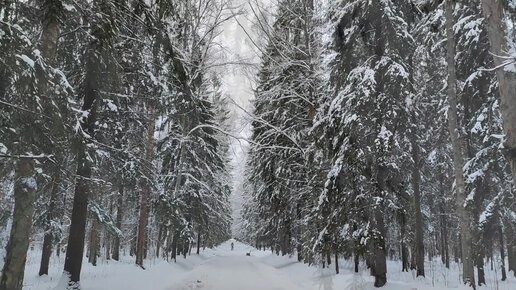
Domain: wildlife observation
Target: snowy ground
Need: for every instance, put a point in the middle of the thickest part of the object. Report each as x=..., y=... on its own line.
x=223, y=269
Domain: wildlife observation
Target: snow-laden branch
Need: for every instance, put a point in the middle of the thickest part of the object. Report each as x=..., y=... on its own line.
x=40, y=156
x=240, y=138
x=508, y=60
x=22, y=109
x=262, y=121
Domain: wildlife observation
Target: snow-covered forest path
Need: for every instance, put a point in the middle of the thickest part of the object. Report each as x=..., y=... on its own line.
x=214, y=269
x=233, y=270
x=223, y=269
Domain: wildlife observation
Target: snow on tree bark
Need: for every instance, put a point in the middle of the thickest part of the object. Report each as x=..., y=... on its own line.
x=86, y=131
x=505, y=64
x=458, y=160
x=18, y=244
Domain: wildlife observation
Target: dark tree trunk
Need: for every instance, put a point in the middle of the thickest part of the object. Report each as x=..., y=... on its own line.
x=77, y=230
x=49, y=235
x=76, y=236
x=145, y=197
x=457, y=250
x=107, y=244
x=491, y=257
x=416, y=181
x=94, y=242
x=336, y=261
x=370, y=263
x=413, y=265
x=446, y=246
x=169, y=241
x=380, y=259
x=198, y=243
x=502, y=253
x=186, y=247
x=356, y=261
x=445, y=252
x=119, y=217
x=480, y=268
x=511, y=253
x=59, y=249
x=404, y=258
x=46, y=252
x=160, y=240
x=175, y=240
x=404, y=251
x=299, y=246
x=107, y=235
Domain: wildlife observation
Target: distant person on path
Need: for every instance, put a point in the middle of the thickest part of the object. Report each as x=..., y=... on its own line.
x=232, y=246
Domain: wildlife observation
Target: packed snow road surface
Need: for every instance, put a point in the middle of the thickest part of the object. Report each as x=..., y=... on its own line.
x=237, y=273
x=233, y=270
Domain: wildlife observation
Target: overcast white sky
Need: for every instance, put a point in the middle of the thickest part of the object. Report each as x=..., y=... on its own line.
x=238, y=83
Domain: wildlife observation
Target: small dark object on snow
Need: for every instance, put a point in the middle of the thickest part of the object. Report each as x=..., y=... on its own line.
x=248, y=254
